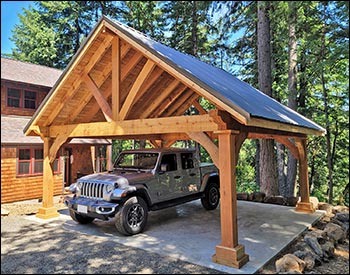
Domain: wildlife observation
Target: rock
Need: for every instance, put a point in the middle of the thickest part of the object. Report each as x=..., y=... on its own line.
x=340, y=208
x=275, y=200
x=308, y=257
x=292, y=201
x=328, y=249
x=319, y=234
x=335, y=232
x=289, y=263
x=343, y=217
x=258, y=196
x=242, y=196
x=326, y=207
x=250, y=197
x=314, y=245
x=314, y=201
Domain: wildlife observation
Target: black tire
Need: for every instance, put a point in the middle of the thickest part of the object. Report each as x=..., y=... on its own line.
x=211, y=198
x=132, y=217
x=80, y=218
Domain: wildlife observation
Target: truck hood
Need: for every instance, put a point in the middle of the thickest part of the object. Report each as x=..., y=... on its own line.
x=132, y=177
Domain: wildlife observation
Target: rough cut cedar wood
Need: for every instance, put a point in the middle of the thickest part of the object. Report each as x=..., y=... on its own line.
x=231, y=94
x=29, y=73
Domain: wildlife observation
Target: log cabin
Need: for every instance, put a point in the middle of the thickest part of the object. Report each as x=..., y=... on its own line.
x=23, y=87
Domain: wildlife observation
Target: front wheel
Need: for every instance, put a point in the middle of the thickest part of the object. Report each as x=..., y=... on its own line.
x=132, y=217
x=80, y=218
x=211, y=196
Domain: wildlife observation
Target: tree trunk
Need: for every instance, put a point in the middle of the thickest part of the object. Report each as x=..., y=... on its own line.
x=326, y=113
x=282, y=179
x=268, y=175
x=292, y=89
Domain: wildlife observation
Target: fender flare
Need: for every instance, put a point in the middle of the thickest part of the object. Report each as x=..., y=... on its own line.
x=207, y=178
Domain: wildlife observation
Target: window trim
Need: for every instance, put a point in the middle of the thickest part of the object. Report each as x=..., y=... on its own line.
x=22, y=97
x=32, y=161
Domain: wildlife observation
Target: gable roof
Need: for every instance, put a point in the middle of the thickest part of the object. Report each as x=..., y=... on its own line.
x=239, y=95
x=155, y=82
x=30, y=73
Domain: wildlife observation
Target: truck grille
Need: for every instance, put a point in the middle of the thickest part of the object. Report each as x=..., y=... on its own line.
x=92, y=190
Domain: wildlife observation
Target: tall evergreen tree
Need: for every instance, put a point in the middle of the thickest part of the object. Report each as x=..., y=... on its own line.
x=268, y=180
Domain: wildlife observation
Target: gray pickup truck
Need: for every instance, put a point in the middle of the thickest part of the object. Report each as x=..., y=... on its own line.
x=141, y=181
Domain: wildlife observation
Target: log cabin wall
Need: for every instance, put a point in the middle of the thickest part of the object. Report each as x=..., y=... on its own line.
x=15, y=188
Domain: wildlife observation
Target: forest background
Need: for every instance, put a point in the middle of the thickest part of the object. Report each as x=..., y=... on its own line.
x=308, y=68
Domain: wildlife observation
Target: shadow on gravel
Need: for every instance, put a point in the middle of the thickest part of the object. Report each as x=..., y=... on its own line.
x=41, y=248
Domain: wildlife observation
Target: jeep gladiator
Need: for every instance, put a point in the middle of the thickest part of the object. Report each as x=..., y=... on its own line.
x=141, y=181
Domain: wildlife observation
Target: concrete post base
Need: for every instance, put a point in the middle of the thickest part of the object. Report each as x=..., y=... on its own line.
x=47, y=213
x=234, y=257
x=305, y=207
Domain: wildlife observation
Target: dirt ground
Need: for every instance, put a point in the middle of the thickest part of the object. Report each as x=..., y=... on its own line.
x=337, y=265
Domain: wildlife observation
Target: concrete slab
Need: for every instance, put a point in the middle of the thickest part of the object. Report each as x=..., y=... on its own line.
x=190, y=233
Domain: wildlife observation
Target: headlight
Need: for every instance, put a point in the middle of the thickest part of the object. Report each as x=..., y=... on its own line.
x=109, y=188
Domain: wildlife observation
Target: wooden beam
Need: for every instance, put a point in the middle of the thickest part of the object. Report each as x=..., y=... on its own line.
x=183, y=76
x=203, y=139
x=186, y=105
x=289, y=144
x=87, y=97
x=265, y=123
x=229, y=252
x=78, y=58
x=199, y=107
x=160, y=98
x=182, y=124
x=155, y=143
x=304, y=205
x=47, y=211
x=76, y=84
x=115, y=78
x=176, y=104
x=141, y=78
x=102, y=102
x=56, y=145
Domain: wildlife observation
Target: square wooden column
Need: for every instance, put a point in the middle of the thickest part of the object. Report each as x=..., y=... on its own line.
x=304, y=205
x=47, y=211
x=229, y=252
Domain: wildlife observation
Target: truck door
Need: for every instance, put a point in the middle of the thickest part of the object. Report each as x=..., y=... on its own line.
x=169, y=177
x=191, y=174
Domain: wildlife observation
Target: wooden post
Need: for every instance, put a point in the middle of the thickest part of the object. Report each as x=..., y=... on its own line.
x=304, y=205
x=229, y=252
x=47, y=211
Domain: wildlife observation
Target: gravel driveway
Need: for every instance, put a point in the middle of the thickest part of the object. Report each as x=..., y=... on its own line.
x=29, y=247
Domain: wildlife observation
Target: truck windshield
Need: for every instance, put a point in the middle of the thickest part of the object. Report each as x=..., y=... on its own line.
x=136, y=160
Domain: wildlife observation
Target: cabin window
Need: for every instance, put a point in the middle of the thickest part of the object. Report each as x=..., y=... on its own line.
x=18, y=98
x=13, y=97
x=31, y=161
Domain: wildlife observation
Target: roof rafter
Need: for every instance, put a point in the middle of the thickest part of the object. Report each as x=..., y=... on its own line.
x=141, y=78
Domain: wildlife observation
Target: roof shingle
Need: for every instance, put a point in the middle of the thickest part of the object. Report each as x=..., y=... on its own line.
x=26, y=72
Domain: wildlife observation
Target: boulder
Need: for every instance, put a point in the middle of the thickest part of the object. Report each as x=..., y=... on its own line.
x=289, y=263
x=335, y=232
x=242, y=196
x=275, y=200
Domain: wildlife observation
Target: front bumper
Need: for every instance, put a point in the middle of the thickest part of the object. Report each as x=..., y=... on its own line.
x=91, y=207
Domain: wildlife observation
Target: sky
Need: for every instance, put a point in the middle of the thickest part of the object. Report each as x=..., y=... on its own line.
x=9, y=17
